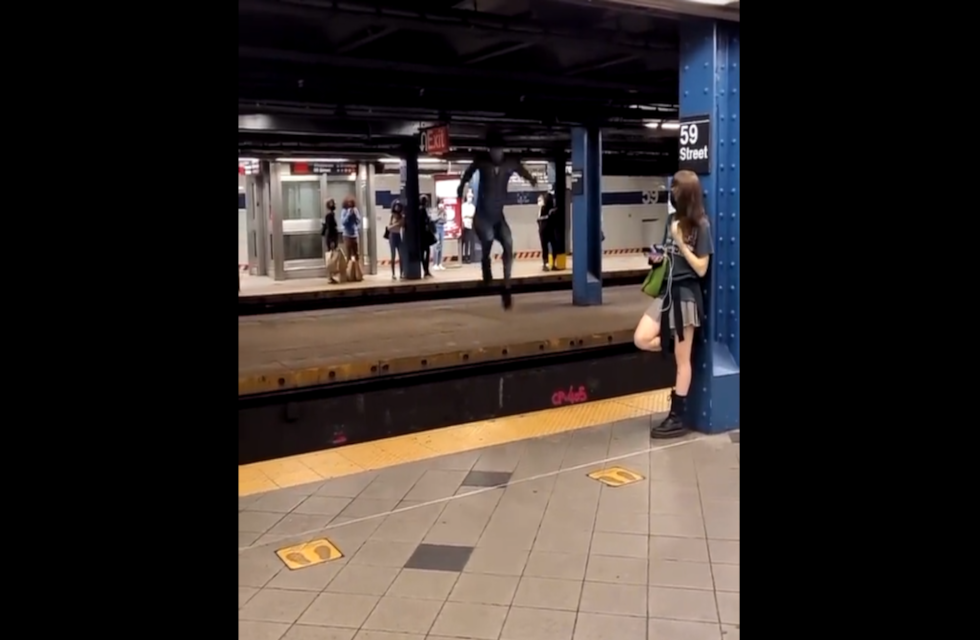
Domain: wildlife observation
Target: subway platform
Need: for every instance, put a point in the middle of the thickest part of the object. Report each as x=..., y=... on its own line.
x=291, y=351
x=456, y=276
x=564, y=524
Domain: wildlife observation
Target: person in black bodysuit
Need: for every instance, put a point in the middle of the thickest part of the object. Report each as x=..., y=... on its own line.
x=489, y=222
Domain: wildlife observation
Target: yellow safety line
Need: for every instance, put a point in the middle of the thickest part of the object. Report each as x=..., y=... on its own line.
x=371, y=456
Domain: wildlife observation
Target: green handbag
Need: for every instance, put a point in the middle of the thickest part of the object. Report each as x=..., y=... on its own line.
x=654, y=281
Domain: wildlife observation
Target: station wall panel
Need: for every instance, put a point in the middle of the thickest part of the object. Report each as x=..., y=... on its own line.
x=634, y=211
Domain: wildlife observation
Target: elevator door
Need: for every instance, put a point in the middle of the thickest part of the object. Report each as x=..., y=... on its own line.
x=302, y=243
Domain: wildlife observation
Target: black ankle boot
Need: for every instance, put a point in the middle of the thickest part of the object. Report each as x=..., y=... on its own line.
x=673, y=425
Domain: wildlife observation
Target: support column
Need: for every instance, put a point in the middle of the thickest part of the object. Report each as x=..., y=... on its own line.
x=709, y=85
x=276, y=242
x=587, y=216
x=414, y=223
x=366, y=169
x=560, y=186
x=365, y=195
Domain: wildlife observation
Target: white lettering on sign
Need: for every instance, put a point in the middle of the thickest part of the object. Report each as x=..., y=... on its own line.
x=689, y=134
x=694, y=150
x=694, y=154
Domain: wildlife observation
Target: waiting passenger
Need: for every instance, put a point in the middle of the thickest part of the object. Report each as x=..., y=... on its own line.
x=427, y=235
x=350, y=220
x=331, y=239
x=329, y=231
x=678, y=310
x=394, y=234
x=439, y=229
x=469, y=236
x=546, y=230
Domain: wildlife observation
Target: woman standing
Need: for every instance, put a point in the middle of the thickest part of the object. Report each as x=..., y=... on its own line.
x=674, y=315
x=350, y=221
x=469, y=237
x=331, y=239
x=440, y=232
x=426, y=234
x=546, y=229
x=394, y=232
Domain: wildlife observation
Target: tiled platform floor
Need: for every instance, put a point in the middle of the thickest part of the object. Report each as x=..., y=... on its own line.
x=513, y=542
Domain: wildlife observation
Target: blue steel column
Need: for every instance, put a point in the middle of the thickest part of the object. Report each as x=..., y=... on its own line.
x=587, y=216
x=709, y=84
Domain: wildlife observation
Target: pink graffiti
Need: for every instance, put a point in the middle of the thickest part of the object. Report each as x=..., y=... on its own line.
x=572, y=396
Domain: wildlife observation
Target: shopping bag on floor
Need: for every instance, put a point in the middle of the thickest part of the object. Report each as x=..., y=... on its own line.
x=354, y=271
x=337, y=265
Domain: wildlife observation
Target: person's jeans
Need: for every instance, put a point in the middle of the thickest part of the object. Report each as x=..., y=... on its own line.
x=487, y=232
x=395, y=245
x=547, y=243
x=469, y=240
x=440, y=238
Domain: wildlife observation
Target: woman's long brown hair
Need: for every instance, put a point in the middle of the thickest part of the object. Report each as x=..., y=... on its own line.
x=689, y=200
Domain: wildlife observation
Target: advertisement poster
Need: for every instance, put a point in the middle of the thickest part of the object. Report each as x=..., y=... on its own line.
x=445, y=187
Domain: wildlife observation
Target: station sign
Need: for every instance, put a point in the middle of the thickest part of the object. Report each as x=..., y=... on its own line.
x=323, y=168
x=434, y=140
x=695, y=144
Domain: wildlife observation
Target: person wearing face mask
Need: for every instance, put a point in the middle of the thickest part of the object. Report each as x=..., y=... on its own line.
x=469, y=238
x=494, y=169
x=678, y=309
x=393, y=232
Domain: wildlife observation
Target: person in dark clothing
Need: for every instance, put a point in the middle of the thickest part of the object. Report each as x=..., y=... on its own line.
x=329, y=230
x=546, y=229
x=428, y=236
x=331, y=235
x=674, y=315
x=489, y=223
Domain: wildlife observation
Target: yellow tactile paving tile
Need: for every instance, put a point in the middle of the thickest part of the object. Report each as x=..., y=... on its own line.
x=369, y=456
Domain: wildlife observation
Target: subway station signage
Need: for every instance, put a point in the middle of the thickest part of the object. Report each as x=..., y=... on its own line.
x=317, y=168
x=434, y=140
x=695, y=144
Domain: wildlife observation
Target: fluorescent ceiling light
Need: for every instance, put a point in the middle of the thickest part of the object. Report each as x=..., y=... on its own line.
x=421, y=160
x=670, y=126
x=715, y=3
x=311, y=160
x=652, y=125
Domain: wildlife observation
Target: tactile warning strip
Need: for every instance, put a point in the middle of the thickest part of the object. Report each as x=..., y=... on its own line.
x=370, y=456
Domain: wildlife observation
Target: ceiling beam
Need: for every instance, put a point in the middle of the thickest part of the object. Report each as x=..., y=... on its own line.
x=374, y=33
x=597, y=66
x=495, y=52
x=441, y=21
x=532, y=83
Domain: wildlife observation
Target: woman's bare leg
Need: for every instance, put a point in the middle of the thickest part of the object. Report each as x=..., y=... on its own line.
x=647, y=334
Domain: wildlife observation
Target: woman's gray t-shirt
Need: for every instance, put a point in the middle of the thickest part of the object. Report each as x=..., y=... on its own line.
x=701, y=243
